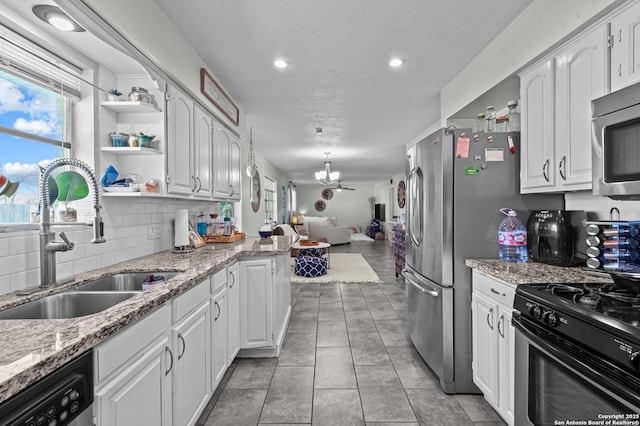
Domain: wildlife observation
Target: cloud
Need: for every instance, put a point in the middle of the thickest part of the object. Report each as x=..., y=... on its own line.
x=39, y=127
x=11, y=98
x=21, y=172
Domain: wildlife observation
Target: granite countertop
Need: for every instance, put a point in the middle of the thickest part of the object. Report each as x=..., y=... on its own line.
x=31, y=349
x=532, y=272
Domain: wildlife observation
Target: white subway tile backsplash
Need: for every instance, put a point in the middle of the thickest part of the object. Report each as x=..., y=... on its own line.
x=125, y=227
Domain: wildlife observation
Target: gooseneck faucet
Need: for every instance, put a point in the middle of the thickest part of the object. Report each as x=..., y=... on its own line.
x=48, y=245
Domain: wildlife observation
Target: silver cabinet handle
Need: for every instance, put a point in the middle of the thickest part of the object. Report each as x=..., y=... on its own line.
x=218, y=315
x=563, y=167
x=545, y=170
x=233, y=191
x=195, y=184
x=501, y=332
x=166, y=348
x=233, y=281
x=199, y=183
x=184, y=346
x=490, y=321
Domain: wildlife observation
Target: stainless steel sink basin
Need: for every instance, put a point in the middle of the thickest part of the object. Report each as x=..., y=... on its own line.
x=130, y=281
x=67, y=305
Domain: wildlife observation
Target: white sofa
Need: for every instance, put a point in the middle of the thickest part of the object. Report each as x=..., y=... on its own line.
x=325, y=227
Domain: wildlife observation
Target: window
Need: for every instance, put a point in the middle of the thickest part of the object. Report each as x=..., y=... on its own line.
x=34, y=123
x=270, y=200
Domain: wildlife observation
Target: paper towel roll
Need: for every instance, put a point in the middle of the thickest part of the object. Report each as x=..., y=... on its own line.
x=181, y=235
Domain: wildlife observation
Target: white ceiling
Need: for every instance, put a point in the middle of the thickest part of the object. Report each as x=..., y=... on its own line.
x=338, y=77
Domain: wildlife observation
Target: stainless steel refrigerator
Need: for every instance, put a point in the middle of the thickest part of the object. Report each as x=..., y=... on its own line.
x=456, y=185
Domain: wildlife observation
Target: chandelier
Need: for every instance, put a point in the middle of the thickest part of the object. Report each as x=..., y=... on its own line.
x=326, y=176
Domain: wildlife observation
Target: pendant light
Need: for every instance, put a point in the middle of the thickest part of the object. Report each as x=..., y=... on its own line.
x=326, y=176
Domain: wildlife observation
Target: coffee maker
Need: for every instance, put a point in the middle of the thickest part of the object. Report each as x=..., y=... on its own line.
x=554, y=237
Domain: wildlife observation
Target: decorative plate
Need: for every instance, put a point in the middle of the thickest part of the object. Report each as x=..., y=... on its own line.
x=327, y=193
x=401, y=194
x=320, y=205
x=256, y=192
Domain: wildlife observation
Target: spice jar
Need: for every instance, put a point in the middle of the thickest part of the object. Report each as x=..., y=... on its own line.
x=139, y=94
x=514, y=117
x=479, y=123
x=490, y=119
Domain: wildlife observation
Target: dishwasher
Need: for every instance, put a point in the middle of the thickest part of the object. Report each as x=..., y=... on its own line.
x=64, y=397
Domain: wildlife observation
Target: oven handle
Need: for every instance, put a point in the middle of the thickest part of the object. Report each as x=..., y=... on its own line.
x=582, y=362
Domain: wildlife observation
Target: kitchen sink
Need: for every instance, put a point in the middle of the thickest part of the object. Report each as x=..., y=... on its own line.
x=67, y=305
x=129, y=281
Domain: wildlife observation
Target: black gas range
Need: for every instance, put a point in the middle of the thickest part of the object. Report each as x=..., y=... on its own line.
x=578, y=336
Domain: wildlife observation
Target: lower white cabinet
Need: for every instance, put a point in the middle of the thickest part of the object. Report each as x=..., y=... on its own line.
x=192, y=360
x=256, y=278
x=233, y=312
x=493, y=342
x=219, y=334
x=133, y=374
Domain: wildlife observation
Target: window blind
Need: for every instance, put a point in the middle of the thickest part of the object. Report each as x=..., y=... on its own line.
x=32, y=63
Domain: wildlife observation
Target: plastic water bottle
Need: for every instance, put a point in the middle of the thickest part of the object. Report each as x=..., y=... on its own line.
x=512, y=238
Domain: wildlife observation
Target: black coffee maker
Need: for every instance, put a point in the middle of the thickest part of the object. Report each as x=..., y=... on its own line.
x=553, y=237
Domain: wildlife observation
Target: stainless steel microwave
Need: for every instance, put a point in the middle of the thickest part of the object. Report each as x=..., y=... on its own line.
x=616, y=144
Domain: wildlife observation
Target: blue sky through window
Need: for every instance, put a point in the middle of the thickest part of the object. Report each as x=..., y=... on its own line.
x=34, y=110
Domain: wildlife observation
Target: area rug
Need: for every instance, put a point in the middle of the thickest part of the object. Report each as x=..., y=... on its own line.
x=359, y=236
x=345, y=268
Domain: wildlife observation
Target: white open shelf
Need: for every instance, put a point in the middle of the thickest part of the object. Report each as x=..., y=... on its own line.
x=131, y=150
x=130, y=106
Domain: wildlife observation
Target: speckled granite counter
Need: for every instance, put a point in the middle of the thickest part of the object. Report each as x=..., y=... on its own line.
x=31, y=349
x=532, y=272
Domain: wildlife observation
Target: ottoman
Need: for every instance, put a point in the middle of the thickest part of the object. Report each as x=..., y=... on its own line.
x=311, y=266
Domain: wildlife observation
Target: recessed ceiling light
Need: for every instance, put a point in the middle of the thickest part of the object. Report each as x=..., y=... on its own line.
x=319, y=130
x=54, y=16
x=280, y=63
x=396, y=62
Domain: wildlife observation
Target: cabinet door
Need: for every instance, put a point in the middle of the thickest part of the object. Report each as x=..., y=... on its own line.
x=485, y=356
x=233, y=311
x=219, y=335
x=580, y=77
x=506, y=364
x=180, y=177
x=141, y=394
x=192, y=362
x=222, y=184
x=625, y=49
x=234, y=169
x=203, y=153
x=537, y=93
x=256, y=301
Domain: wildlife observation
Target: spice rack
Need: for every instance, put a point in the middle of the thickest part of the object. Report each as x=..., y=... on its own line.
x=613, y=245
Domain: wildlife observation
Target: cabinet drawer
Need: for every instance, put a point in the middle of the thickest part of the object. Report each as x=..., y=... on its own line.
x=494, y=288
x=218, y=281
x=123, y=346
x=188, y=301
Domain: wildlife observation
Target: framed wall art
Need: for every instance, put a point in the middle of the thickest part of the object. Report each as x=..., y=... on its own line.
x=212, y=90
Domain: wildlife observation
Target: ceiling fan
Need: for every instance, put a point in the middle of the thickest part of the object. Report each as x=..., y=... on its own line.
x=340, y=187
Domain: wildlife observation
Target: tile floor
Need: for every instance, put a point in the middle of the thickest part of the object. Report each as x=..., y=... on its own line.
x=346, y=360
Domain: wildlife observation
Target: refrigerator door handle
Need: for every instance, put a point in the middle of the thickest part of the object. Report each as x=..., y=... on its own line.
x=431, y=293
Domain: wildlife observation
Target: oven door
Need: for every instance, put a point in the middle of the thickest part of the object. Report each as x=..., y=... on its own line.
x=555, y=381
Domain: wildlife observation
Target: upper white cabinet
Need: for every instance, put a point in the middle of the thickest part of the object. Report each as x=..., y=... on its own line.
x=556, y=96
x=180, y=150
x=226, y=183
x=203, y=153
x=625, y=46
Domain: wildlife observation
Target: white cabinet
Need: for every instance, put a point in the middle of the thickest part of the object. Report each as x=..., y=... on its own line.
x=493, y=342
x=556, y=99
x=180, y=140
x=219, y=325
x=133, y=378
x=227, y=184
x=256, y=287
x=625, y=46
x=233, y=311
x=192, y=360
x=192, y=354
x=203, y=153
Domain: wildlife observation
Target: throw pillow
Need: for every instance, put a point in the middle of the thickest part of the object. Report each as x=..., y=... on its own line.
x=301, y=230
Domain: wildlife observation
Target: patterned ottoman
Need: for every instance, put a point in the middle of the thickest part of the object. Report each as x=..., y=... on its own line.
x=311, y=266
